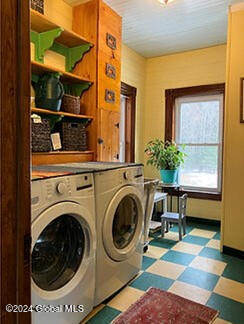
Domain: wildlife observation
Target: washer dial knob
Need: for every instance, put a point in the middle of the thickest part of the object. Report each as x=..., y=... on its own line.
x=61, y=188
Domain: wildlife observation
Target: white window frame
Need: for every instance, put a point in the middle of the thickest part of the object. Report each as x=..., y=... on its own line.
x=202, y=98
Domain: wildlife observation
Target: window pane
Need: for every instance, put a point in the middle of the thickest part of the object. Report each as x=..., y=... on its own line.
x=200, y=168
x=199, y=122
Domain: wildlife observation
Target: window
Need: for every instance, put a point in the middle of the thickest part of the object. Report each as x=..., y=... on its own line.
x=194, y=119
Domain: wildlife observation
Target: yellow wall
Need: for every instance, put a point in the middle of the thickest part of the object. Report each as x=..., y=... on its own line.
x=205, y=66
x=233, y=208
x=59, y=11
x=199, y=67
x=134, y=74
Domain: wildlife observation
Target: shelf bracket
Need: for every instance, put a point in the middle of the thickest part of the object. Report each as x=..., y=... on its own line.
x=72, y=55
x=75, y=55
x=77, y=89
x=44, y=41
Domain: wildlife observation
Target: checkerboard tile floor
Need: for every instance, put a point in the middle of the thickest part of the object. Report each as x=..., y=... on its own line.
x=193, y=268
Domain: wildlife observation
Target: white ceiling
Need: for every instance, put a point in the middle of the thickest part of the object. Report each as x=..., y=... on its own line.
x=153, y=29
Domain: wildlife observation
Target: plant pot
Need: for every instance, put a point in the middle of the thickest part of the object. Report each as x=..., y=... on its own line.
x=169, y=176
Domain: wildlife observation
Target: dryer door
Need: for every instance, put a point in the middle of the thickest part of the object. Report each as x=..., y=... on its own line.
x=123, y=224
x=62, y=244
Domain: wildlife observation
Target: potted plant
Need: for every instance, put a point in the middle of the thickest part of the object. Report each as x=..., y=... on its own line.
x=166, y=157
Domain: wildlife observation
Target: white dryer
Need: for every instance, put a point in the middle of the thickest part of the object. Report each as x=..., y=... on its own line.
x=119, y=190
x=63, y=248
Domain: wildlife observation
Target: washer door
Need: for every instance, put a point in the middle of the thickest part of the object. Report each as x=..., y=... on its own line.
x=123, y=224
x=61, y=247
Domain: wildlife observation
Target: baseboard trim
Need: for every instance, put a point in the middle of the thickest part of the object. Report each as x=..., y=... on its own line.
x=203, y=220
x=233, y=252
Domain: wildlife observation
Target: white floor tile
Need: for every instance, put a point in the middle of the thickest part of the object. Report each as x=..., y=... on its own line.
x=166, y=269
x=208, y=265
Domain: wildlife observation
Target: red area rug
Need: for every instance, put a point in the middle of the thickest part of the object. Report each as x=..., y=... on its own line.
x=157, y=306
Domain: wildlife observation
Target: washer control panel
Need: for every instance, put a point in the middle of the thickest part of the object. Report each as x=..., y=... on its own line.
x=63, y=187
x=48, y=192
x=56, y=187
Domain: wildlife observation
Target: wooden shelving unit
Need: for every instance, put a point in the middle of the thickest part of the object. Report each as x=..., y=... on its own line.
x=39, y=68
x=41, y=23
x=62, y=157
x=90, y=43
x=59, y=113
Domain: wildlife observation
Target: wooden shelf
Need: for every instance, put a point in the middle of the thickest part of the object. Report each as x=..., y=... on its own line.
x=59, y=113
x=41, y=23
x=39, y=68
x=62, y=157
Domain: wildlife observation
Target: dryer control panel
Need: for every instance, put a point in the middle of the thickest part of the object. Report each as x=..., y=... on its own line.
x=119, y=177
x=131, y=174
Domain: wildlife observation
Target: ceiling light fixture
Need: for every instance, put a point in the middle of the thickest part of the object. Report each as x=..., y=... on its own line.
x=165, y=1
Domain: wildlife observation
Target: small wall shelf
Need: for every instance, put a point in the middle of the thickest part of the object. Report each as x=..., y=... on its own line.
x=47, y=35
x=62, y=157
x=66, y=77
x=59, y=113
x=41, y=23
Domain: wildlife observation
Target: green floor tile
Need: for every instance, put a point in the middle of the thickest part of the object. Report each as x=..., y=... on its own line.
x=235, y=270
x=215, y=254
x=195, y=240
x=176, y=229
x=235, y=267
x=217, y=236
x=147, y=262
x=229, y=309
x=178, y=257
x=163, y=243
x=147, y=280
x=199, y=278
x=105, y=316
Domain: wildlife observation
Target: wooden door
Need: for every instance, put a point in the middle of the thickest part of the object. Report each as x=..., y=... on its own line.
x=108, y=140
x=108, y=82
x=114, y=124
x=15, y=215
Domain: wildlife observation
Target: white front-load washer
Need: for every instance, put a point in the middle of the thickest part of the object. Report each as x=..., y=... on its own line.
x=119, y=190
x=63, y=249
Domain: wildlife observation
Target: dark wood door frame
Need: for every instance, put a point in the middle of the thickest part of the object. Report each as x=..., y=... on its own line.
x=15, y=213
x=130, y=93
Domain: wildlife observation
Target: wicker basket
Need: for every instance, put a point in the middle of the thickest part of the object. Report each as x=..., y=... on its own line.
x=41, y=136
x=71, y=104
x=38, y=5
x=74, y=136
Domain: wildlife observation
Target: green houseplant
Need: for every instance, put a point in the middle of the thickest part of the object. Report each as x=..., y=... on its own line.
x=166, y=157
